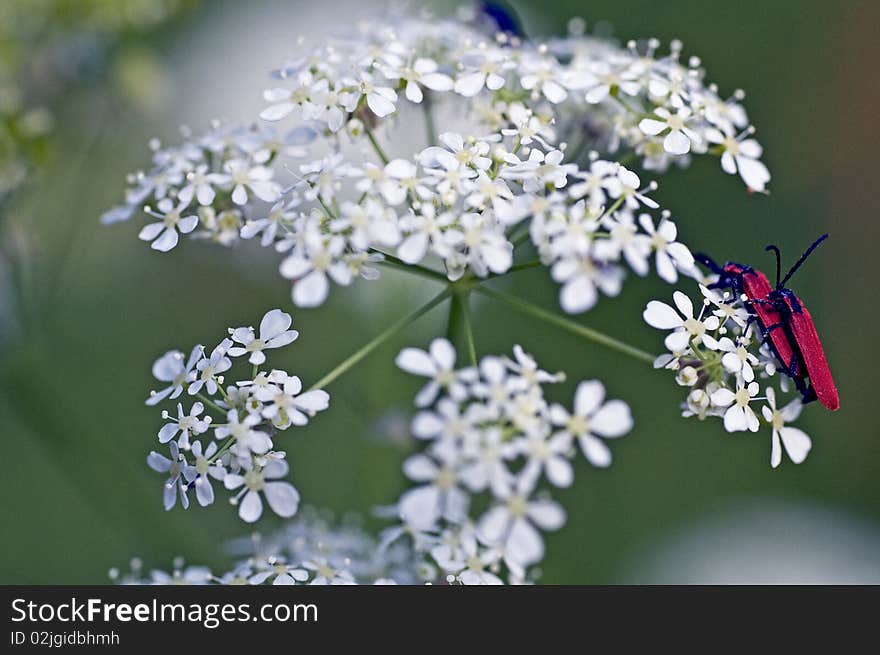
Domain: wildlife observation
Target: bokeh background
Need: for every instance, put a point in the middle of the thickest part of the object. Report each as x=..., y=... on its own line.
x=87, y=309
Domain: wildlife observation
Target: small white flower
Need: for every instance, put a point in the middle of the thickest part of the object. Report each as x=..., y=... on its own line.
x=423, y=72
x=284, y=402
x=173, y=466
x=247, y=440
x=737, y=359
x=438, y=364
x=313, y=266
x=209, y=368
x=671, y=256
x=164, y=233
x=282, y=497
x=739, y=416
x=258, y=179
x=741, y=156
x=685, y=327
x=171, y=367
x=185, y=424
x=200, y=184
x=200, y=472
x=680, y=135
x=797, y=443
x=438, y=497
x=513, y=525
x=591, y=419
x=380, y=99
x=274, y=333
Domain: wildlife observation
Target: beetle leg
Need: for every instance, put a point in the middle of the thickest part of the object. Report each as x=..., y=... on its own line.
x=808, y=394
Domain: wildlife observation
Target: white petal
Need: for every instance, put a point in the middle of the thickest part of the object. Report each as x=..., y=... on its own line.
x=204, y=492
x=661, y=316
x=578, y=295
x=677, y=341
x=676, y=143
x=650, y=126
x=313, y=401
x=277, y=112
x=413, y=92
x=419, y=507
x=612, y=420
x=417, y=362
x=311, y=290
x=282, y=497
x=470, y=84
x=251, y=507
x=723, y=397
x=684, y=304
x=443, y=353
x=524, y=544
x=437, y=81
x=380, y=105
x=166, y=241
x=735, y=419
x=797, y=443
x=753, y=173
x=596, y=452
x=588, y=396
x=274, y=323
x=412, y=250
x=420, y=468
x=547, y=514
x=775, y=450
x=151, y=231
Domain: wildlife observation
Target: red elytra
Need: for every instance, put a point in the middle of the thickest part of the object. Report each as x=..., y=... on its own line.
x=799, y=324
x=756, y=287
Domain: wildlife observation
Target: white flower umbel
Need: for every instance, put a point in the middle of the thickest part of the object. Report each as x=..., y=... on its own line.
x=490, y=432
x=531, y=118
x=240, y=445
x=721, y=360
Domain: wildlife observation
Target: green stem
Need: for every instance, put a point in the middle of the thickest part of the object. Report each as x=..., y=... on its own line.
x=525, y=266
x=454, y=323
x=525, y=307
x=468, y=329
x=208, y=401
x=379, y=339
x=373, y=140
x=393, y=262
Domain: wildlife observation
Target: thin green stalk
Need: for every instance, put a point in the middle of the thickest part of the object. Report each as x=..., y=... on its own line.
x=373, y=140
x=453, y=323
x=379, y=339
x=525, y=266
x=525, y=307
x=393, y=262
x=211, y=403
x=467, y=324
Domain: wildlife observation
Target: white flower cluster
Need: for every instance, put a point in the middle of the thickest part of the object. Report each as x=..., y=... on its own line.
x=327, y=196
x=250, y=412
x=719, y=355
x=310, y=549
x=491, y=439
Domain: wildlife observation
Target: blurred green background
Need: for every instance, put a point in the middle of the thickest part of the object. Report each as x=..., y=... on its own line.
x=97, y=306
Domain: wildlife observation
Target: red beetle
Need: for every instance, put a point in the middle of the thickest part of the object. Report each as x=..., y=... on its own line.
x=802, y=331
x=785, y=324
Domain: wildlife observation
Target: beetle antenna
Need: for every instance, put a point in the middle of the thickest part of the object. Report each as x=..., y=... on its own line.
x=778, y=257
x=800, y=261
x=708, y=262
